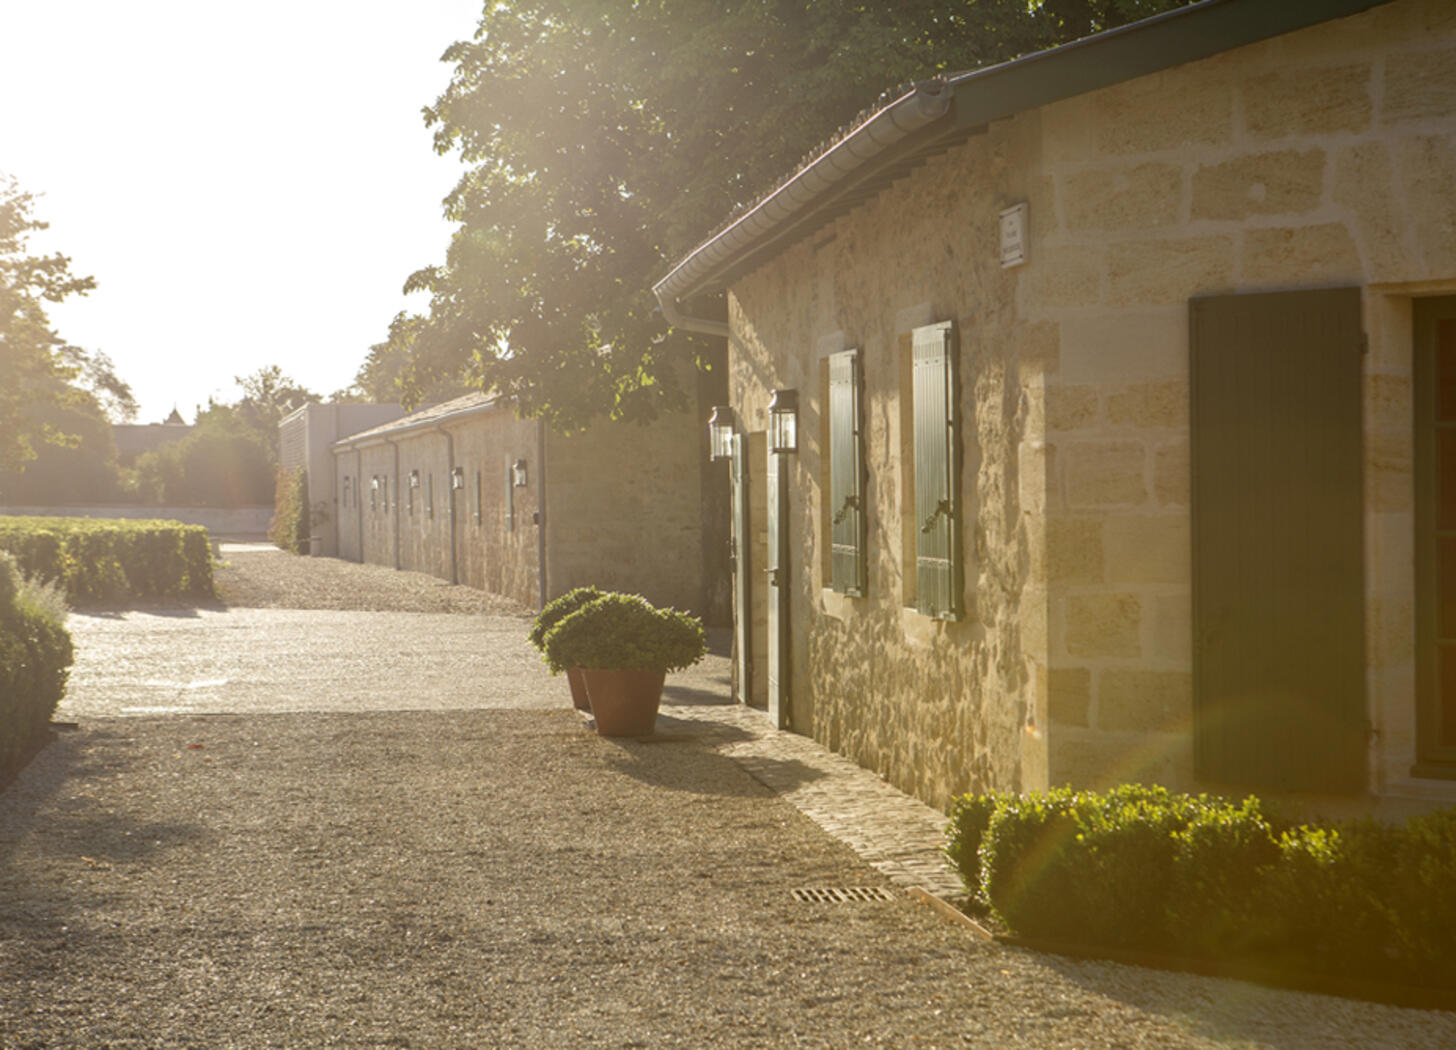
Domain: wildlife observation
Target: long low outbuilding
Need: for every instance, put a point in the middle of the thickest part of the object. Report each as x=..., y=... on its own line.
x=469, y=492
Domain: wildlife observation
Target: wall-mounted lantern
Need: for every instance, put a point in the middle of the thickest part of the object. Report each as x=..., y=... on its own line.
x=414, y=479
x=783, y=421
x=518, y=473
x=720, y=433
x=457, y=477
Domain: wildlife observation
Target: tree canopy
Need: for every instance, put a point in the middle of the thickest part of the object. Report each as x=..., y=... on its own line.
x=51, y=393
x=603, y=138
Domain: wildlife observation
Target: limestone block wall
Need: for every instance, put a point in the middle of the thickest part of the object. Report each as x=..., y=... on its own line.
x=496, y=533
x=376, y=512
x=937, y=708
x=422, y=511
x=624, y=509
x=1323, y=157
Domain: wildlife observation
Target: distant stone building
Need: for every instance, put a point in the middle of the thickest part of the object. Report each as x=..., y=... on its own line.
x=469, y=492
x=304, y=440
x=1124, y=382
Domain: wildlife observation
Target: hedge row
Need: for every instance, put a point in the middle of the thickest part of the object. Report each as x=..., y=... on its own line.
x=1211, y=879
x=35, y=652
x=107, y=560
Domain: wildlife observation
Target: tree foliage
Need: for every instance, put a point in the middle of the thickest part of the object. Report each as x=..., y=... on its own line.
x=604, y=138
x=51, y=393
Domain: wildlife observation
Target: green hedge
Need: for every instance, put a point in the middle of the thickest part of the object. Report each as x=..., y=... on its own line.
x=290, y=528
x=108, y=560
x=35, y=652
x=1209, y=878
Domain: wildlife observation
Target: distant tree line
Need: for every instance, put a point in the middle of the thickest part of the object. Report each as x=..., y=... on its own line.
x=58, y=403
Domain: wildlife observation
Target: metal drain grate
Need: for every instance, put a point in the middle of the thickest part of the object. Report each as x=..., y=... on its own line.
x=842, y=894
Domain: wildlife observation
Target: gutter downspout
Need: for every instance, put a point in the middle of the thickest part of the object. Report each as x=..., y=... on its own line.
x=359, y=503
x=450, y=483
x=394, y=445
x=541, y=510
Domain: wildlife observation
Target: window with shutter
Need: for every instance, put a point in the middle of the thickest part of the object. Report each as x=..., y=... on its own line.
x=846, y=476
x=937, y=471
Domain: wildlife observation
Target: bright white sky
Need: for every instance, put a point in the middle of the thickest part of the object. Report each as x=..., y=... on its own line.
x=249, y=183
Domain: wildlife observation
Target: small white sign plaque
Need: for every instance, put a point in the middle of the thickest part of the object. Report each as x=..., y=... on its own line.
x=1013, y=236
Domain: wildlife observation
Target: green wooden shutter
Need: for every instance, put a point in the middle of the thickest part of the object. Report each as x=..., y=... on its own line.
x=846, y=476
x=937, y=469
x=1278, y=549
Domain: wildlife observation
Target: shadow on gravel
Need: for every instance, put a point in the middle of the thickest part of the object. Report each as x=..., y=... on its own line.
x=707, y=774
x=92, y=831
x=686, y=694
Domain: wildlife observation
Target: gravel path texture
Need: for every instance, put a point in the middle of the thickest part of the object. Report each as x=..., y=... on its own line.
x=487, y=873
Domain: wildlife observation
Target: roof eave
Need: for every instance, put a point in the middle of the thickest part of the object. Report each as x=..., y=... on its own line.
x=823, y=189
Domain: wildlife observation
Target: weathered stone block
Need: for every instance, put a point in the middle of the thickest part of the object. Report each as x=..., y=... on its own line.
x=1362, y=187
x=1175, y=108
x=1069, y=695
x=1105, y=474
x=1388, y=401
x=1170, y=634
x=1059, y=277
x=1419, y=85
x=1126, y=346
x=1390, y=482
x=1316, y=253
x=1104, y=625
x=1074, y=550
x=1070, y=407
x=1427, y=166
x=1162, y=404
x=1144, y=700
x=1144, y=549
x=1135, y=198
x=1287, y=181
x=1170, y=474
x=1151, y=273
x=1305, y=101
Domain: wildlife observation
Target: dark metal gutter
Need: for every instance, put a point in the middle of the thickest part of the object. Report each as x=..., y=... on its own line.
x=934, y=116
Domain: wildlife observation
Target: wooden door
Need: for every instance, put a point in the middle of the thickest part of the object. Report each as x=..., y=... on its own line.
x=776, y=574
x=1278, y=547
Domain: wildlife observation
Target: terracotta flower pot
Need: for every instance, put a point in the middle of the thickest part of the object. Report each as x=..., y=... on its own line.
x=578, y=689
x=624, y=703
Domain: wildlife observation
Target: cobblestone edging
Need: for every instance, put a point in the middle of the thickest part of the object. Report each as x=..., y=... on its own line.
x=897, y=835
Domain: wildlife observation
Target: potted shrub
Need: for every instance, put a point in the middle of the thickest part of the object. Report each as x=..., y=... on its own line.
x=625, y=646
x=550, y=615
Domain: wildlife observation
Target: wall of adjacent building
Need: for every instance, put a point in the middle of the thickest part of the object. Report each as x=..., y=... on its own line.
x=1322, y=158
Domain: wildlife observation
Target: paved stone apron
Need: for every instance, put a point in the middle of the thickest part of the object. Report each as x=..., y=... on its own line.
x=896, y=834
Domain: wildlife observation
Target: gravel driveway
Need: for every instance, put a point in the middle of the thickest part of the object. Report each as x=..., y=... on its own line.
x=413, y=842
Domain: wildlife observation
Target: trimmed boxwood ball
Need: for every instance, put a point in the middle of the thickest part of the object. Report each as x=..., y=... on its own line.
x=557, y=610
x=625, y=632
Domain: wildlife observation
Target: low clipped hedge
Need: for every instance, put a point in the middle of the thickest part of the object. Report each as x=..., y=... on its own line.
x=1210, y=879
x=102, y=560
x=35, y=655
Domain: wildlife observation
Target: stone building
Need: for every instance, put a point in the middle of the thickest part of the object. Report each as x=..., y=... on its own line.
x=469, y=492
x=305, y=439
x=1125, y=428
